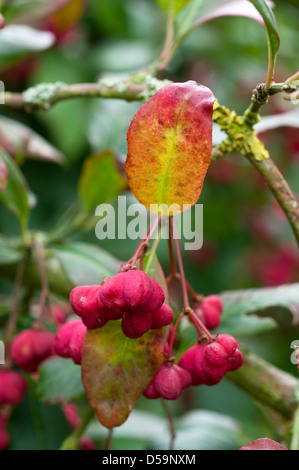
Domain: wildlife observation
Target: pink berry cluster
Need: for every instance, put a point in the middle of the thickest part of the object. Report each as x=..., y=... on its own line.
x=208, y=362
x=131, y=296
x=204, y=363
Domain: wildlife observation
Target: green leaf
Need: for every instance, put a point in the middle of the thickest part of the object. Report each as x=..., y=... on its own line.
x=203, y=430
x=239, y=307
x=84, y=263
x=272, y=35
x=8, y=253
x=177, y=5
x=100, y=181
x=37, y=426
x=19, y=40
x=15, y=196
x=28, y=144
x=59, y=381
x=116, y=370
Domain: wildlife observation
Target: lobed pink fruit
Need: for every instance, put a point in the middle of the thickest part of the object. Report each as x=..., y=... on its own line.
x=228, y=342
x=69, y=339
x=162, y=317
x=31, y=347
x=86, y=304
x=84, y=300
x=202, y=372
x=135, y=325
x=192, y=361
x=12, y=387
x=168, y=383
x=132, y=291
x=216, y=355
x=210, y=311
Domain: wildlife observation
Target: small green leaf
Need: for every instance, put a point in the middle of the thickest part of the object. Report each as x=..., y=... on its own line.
x=84, y=263
x=15, y=196
x=59, y=381
x=177, y=5
x=100, y=180
x=18, y=40
x=272, y=35
x=238, y=317
x=116, y=370
x=8, y=253
x=203, y=430
x=28, y=144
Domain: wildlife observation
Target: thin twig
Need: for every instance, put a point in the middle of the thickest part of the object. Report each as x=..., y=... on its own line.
x=40, y=257
x=109, y=439
x=15, y=302
x=171, y=424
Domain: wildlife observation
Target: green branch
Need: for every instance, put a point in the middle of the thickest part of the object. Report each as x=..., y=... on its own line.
x=267, y=384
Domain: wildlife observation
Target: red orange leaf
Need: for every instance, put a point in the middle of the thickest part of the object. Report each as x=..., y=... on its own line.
x=169, y=146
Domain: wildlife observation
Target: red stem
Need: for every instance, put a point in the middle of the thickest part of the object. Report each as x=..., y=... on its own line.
x=145, y=240
x=198, y=324
x=175, y=328
x=181, y=269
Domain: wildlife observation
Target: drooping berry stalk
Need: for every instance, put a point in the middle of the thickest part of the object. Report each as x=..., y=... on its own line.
x=181, y=269
x=40, y=258
x=145, y=240
x=187, y=309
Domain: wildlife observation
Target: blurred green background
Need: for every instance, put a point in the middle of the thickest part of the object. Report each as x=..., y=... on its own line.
x=247, y=241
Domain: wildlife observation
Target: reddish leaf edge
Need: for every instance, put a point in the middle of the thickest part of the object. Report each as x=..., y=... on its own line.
x=263, y=444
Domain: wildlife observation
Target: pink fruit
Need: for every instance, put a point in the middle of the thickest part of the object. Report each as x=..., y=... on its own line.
x=132, y=291
x=84, y=300
x=31, y=347
x=12, y=387
x=162, y=317
x=86, y=303
x=168, y=383
x=216, y=355
x=69, y=339
x=210, y=311
x=235, y=360
x=135, y=325
x=228, y=342
x=192, y=361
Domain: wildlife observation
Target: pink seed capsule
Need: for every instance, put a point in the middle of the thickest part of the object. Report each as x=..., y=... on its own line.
x=12, y=387
x=162, y=317
x=30, y=348
x=135, y=325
